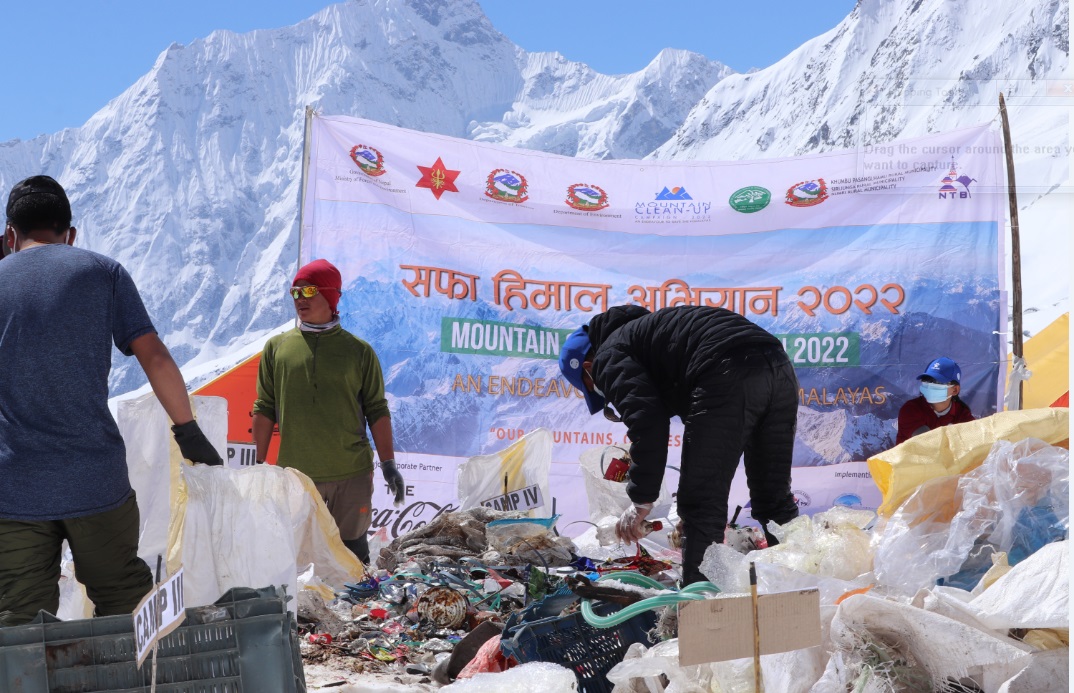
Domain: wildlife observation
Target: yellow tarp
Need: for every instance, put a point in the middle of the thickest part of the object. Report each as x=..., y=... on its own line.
x=1047, y=356
x=957, y=449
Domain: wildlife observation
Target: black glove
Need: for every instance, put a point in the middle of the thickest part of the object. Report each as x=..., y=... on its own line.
x=393, y=478
x=194, y=445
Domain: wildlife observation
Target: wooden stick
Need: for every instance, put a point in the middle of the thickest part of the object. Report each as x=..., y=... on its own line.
x=1016, y=251
x=758, y=684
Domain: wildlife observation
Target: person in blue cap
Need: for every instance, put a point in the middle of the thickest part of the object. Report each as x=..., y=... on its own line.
x=731, y=384
x=938, y=404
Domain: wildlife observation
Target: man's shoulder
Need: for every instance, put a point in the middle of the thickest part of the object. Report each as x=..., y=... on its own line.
x=276, y=340
x=354, y=340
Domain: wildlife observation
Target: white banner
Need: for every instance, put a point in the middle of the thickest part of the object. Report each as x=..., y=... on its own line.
x=465, y=265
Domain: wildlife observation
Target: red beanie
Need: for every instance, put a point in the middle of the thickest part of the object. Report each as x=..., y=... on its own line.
x=324, y=275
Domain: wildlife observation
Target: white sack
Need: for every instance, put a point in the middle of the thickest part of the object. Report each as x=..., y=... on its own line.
x=533, y=677
x=253, y=527
x=942, y=647
x=524, y=464
x=147, y=435
x=1034, y=594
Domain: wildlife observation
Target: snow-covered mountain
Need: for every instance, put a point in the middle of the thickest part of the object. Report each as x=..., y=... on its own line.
x=191, y=178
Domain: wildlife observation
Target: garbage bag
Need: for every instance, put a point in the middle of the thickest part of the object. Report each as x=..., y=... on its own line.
x=254, y=526
x=533, y=677
x=1015, y=502
x=610, y=497
x=512, y=479
x=952, y=450
x=1033, y=594
x=884, y=645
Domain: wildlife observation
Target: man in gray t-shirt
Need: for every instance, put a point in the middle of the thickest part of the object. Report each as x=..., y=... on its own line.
x=63, y=470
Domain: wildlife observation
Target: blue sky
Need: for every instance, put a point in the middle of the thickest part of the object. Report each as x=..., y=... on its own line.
x=65, y=59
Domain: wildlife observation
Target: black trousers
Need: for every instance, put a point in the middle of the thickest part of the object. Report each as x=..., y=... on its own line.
x=746, y=407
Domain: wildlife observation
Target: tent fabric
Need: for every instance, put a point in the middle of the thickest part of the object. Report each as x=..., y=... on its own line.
x=1047, y=355
x=239, y=387
x=953, y=450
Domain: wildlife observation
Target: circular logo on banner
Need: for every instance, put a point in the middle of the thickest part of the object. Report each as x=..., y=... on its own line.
x=750, y=199
x=847, y=500
x=586, y=197
x=369, y=160
x=807, y=193
x=802, y=499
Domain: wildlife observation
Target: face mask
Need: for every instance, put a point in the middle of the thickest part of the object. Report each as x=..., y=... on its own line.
x=934, y=392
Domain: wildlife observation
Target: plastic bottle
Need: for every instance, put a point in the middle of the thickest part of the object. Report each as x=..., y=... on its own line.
x=606, y=530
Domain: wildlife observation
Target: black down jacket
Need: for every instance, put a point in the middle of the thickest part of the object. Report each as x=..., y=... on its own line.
x=647, y=365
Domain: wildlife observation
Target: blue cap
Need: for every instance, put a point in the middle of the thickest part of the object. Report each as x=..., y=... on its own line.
x=943, y=370
x=571, y=356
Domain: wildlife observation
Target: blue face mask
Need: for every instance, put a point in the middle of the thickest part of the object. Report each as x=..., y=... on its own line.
x=934, y=392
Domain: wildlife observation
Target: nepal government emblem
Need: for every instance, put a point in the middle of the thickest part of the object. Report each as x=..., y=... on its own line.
x=586, y=197
x=369, y=160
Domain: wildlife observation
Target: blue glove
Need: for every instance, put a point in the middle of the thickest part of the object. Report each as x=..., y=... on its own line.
x=394, y=479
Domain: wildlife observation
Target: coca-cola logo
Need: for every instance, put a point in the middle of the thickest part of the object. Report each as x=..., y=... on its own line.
x=399, y=521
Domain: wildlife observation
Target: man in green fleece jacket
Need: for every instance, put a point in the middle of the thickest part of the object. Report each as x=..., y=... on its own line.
x=321, y=385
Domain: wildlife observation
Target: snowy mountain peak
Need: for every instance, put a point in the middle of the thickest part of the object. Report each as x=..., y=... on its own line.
x=191, y=177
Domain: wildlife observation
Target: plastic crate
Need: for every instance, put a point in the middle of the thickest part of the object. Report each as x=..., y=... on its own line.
x=569, y=641
x=246, y=642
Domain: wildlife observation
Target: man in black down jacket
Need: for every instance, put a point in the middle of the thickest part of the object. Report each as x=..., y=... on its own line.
x=731, y=384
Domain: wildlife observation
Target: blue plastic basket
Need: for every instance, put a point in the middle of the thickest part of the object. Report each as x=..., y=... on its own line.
x=571, y=642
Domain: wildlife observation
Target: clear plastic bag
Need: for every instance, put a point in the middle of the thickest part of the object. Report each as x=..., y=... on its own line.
x=610, y=497
x=1017, y=501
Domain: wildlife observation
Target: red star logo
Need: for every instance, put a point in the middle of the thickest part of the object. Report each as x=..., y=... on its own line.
x=438, y=178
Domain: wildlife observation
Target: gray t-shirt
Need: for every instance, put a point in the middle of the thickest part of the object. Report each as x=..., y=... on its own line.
x=61, y=309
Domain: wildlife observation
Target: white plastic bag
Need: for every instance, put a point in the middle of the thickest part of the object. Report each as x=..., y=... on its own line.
x=533, y=677
x=610, y=497
x=1015, y=502
x=512, y=479
x=253, y=527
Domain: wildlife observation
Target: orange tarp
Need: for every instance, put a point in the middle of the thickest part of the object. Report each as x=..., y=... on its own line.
x=239, y=387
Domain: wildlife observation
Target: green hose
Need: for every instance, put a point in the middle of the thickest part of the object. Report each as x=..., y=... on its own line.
x=693, y=592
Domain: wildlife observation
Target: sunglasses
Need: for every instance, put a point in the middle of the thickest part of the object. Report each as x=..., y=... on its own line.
x=298, y=292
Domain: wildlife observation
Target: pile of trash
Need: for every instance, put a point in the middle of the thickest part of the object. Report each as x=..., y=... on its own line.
x=964, y=587
x=443, y=594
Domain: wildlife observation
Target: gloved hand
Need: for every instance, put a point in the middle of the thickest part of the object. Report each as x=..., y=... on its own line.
x=394, y=479
x=194, y=445
x=629, y=528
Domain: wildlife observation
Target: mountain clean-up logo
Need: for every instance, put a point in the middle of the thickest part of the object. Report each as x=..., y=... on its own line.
x=505, y=185
x=586, y=197
x=672, y=205
x=676, y=193
x=438, y=178
x=807, y=193
x=369, y=160
x=948, y=191
x=750, y=199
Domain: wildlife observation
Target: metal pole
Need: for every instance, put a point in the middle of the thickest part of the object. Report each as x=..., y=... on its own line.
x=156, y=586
x=758, y=683
x=1016, y=252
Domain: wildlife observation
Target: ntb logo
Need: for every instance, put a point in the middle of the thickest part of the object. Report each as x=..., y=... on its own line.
x=948, y=188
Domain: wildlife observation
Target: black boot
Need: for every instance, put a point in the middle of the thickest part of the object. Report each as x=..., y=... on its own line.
x=359, y=547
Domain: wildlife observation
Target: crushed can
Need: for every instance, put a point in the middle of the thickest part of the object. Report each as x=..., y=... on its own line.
x=321, y=638
x=443, y=606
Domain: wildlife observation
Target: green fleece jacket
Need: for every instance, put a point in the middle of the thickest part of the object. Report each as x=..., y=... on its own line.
x=321, y=389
